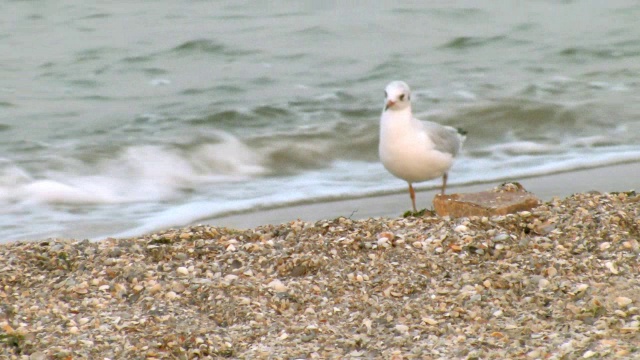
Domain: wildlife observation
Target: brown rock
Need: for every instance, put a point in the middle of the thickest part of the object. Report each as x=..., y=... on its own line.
x=508, y=198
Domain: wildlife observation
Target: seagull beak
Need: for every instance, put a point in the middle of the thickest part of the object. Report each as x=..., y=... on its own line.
x=389, y=104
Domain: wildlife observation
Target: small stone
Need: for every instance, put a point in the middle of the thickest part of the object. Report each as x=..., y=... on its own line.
x=38, y=355
x=567, y=347
x=501, y=237
x=631, y=327
x=402, y=329
x=461, y=229
x=155, y=289
x=589, y=354
x=177, y=287
x=485, y=203
x=182, y=271
x=384, y=242
x=620, y=313
x=277, y=285
x=308, y=337
x=170, y=295
x=533, y=354
x=623, y=301
x=581, y=287
x=543, y=284
x=229, y=278
x=612, y=267
x=430, y=321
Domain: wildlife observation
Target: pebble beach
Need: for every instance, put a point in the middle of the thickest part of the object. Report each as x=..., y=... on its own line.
x=558, y=282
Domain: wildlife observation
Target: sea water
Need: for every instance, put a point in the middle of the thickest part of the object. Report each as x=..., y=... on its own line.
x=117, y=119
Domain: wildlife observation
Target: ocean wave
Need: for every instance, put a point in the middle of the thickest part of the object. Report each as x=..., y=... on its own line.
x=465, y=42
x=580, y=53
x=135, y=173
x=277, y=144
x=524, y=120
x=209, y=46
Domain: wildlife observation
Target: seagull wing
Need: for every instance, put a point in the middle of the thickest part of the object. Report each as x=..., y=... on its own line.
x=445, y=138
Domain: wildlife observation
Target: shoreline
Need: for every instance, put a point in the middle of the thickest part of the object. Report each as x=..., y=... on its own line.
x=618, y=177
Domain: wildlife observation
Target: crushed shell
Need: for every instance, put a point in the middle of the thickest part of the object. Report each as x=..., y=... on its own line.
x=558, y=282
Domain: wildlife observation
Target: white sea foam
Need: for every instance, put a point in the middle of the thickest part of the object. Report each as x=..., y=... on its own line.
x=466, y=95
x=524, y=147
x=137, y=173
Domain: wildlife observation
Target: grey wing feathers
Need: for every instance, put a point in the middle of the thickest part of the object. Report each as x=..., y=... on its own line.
x=445, y=138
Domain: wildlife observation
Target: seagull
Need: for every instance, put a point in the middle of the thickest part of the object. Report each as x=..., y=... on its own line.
x=411, y=149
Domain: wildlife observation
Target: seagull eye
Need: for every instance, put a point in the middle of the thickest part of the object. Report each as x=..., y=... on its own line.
x=402, y=97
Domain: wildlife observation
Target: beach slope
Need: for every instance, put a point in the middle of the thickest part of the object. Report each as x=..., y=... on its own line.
x=560, y=281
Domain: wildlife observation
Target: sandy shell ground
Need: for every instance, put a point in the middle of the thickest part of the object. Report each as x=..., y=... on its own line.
x=559, y=282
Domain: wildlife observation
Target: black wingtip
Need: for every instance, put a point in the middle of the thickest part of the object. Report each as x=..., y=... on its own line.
x=461, y=131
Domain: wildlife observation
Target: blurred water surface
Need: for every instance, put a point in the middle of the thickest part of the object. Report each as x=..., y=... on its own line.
x=121, y=119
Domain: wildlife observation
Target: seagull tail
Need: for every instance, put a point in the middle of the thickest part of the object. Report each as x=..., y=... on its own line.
x=462, y=134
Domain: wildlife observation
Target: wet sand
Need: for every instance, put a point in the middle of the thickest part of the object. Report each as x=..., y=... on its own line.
x=621, y=177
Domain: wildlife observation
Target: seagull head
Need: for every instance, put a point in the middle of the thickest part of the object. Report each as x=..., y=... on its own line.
x=397, y=96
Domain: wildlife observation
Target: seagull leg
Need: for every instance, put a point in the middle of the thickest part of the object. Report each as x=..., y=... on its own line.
x=444, y=182
x=412, y=194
